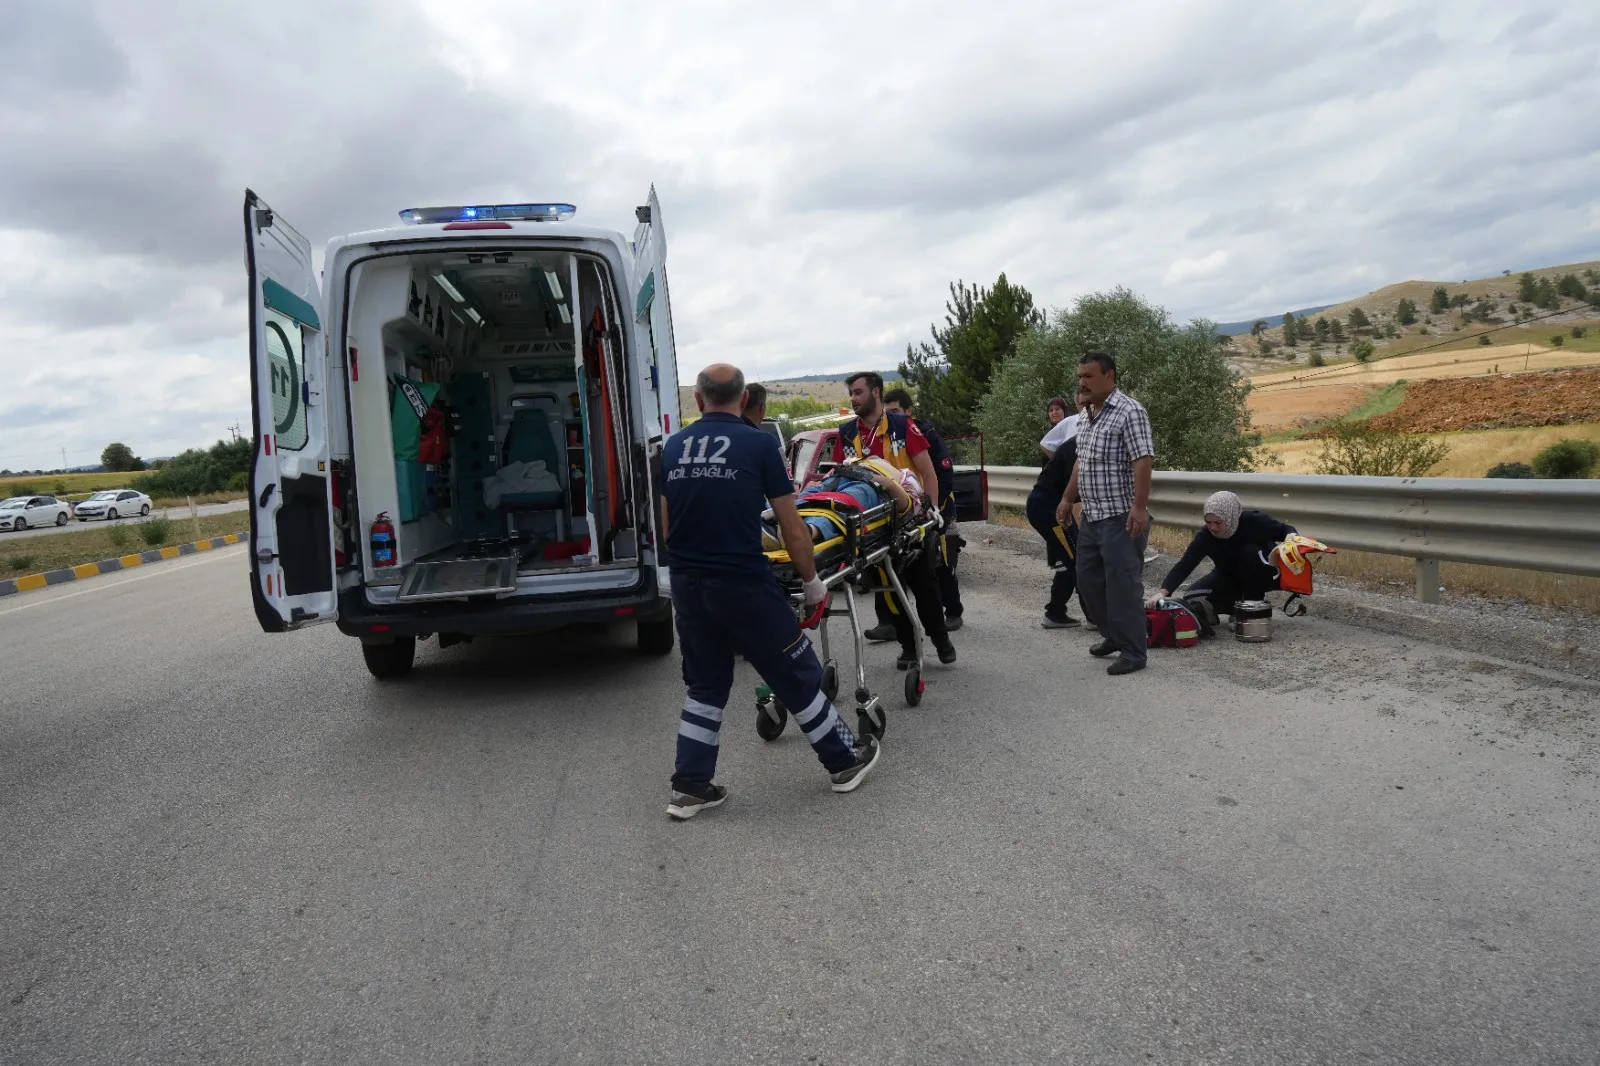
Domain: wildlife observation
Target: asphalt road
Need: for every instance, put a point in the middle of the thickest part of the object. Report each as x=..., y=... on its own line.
x=175, y=513
x=222, y=846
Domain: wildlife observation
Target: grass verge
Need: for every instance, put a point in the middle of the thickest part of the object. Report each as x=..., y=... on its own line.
x=32, y=555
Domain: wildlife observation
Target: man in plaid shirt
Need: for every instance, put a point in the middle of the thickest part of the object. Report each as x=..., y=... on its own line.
x=1112, y=479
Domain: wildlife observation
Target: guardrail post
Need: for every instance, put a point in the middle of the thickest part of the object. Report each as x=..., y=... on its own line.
x=1428, y=580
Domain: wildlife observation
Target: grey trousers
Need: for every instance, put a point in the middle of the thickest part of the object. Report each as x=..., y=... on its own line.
x=1111, y=583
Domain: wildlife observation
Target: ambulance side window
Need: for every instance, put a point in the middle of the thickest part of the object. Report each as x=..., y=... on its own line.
x=286, y=359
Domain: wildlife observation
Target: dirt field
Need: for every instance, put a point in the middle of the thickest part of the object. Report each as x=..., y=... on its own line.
x=1471, y=454
x=1288, y=399
x=1501, y=401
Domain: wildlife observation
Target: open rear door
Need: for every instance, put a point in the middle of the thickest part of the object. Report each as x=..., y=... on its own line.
x=291, y=534
x=652, y=310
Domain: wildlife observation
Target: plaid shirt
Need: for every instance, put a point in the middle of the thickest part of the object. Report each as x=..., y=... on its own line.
x=1108, y=444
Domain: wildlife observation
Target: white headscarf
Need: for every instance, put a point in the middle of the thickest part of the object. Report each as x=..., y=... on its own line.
x=1226, y=506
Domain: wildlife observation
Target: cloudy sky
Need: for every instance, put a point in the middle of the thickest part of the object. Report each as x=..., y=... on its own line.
x=824, y=173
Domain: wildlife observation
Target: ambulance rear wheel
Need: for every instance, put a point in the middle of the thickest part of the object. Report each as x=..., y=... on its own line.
x=389, y=660
x=914, y=687
x=830, y=680
x=655, y=637
x=771, y=717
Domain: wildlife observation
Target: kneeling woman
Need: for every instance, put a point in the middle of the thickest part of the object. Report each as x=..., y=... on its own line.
x=1237, y=542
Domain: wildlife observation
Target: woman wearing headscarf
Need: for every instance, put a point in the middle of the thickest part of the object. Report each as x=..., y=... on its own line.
x=1237, y=542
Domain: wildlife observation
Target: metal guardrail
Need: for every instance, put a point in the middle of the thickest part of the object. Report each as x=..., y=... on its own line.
x=1551, y=526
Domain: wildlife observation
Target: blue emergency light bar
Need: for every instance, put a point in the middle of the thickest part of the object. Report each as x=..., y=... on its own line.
x=489, y=213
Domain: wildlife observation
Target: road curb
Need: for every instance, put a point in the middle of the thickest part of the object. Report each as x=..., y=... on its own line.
x=28, y=582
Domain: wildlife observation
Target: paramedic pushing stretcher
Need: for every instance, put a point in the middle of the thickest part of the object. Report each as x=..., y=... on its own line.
x=718, y=475
x=895, y=438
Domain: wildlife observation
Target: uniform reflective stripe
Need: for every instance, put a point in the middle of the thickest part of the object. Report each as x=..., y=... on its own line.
x=704, y=710
x=817, y=719
x=700, y=733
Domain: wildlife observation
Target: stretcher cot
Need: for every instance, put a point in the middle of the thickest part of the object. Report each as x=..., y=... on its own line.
x=860, y=545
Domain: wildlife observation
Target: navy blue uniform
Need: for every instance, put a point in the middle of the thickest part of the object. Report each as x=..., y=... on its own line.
x=718, y=475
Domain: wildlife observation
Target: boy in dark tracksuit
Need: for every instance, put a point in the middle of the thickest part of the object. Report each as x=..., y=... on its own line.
x=1060, y=542
x=718, y=475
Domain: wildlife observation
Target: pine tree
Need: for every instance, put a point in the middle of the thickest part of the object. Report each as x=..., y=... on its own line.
x=1291, y=337
x=1440, y=300
x=1358, y=319
x=1527, y=289
x=982, y=328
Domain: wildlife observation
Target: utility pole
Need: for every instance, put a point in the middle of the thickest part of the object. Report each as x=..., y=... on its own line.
x=63, y=460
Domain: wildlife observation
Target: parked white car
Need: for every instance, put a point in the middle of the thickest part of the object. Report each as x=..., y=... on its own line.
x=113, y=503
x=20, y=512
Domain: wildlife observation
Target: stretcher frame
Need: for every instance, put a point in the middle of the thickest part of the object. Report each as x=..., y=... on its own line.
x=908, y=533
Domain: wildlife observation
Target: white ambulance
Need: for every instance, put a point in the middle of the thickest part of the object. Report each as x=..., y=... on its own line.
x=455, y=431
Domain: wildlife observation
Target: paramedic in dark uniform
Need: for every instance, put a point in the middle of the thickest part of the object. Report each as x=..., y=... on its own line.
x=897, y=440
x=719, y=474
x=944, y=468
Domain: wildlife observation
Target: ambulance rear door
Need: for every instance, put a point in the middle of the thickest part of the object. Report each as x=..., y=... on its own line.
x=291, y=531
x=652, y=311
x=658, y=362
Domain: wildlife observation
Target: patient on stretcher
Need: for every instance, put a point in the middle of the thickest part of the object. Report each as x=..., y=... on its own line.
x=858, y=484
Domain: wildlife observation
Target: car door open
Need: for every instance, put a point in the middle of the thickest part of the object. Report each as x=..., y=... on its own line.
x=291, y=532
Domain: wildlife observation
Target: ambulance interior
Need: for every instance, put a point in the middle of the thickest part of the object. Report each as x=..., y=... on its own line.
x=494, y=432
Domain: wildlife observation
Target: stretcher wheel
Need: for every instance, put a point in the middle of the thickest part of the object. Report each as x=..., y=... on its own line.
x=915, y=686
x=771, y=717
x=870, y=720
x=830, y=680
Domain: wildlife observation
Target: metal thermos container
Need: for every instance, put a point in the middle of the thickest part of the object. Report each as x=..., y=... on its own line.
x=1252, y=621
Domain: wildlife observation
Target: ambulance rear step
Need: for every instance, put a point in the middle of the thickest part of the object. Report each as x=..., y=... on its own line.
x=455, y=579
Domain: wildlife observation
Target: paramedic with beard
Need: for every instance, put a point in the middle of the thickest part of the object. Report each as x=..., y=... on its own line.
x=719, y=474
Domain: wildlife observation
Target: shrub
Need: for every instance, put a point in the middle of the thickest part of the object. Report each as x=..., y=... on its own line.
x=1360, y=449
x=155, y=531
x=118, y=536
x=1580, y=331
x=1362, y=350
x=1571, y=457
x=1558, y=340
x=1511, y=470
x=24, y=489
x=1485, y=339
x=1317, y=360
x=240, y=482
x=23, y=562
x=1196, y=401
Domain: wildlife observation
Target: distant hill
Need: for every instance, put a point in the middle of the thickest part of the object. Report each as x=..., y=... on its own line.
x=888, y=376
x=1233, y=329
x=1480, y=305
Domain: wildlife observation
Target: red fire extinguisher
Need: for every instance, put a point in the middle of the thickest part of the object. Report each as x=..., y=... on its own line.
x=382, y=540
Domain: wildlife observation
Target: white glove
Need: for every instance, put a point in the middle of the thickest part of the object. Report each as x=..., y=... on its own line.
x=813, y=592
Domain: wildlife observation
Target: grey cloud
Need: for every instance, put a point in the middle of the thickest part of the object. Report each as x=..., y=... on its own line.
x=57, y=47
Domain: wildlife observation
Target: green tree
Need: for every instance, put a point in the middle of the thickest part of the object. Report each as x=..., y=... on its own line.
x=1440, y=300
x=1545, y=295
x=1291, y=336
x=1362, y=350
x=1336, y=329
x=1258, y=327
x=119, y=458
x=981, y=330
x=1317, y=360
x=1196, y=402
x=1405, y=312
x=1358, y=319
x=1558, y=339
x=199, y=470
x=1304, y=329
x=1527, y=289
x=1570, y=287
x=1359, y=449
x=1323, y=332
